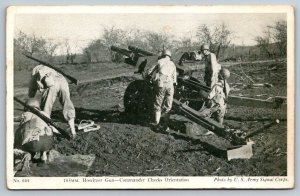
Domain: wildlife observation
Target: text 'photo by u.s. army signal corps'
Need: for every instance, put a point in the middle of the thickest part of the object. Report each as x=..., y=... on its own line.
x=150, y=97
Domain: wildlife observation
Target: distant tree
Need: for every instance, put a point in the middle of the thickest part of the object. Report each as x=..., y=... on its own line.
x=156, y=41
x=263, y=42
x=96, y=51
x=113, y=36
x=279, y=36
x=70, y=51
x=274, y=34
x=50, y=48
x=186, y=42
x=34, y=46
x=30, y=44
x=136, y=37
x=218, y=37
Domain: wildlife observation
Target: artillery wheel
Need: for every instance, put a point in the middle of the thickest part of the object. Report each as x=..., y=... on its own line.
x=137, y=99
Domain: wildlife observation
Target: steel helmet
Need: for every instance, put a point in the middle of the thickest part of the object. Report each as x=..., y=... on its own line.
x=167, y=53
x=33, y=103
x=205, y=47
x=225, y=73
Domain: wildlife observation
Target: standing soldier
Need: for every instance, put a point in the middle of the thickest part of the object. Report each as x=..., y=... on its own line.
x=164, y=83
x=212, y=67
x=52, y=84
x=217, y=98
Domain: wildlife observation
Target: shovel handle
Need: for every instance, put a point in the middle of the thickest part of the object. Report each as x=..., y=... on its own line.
x=262, y=128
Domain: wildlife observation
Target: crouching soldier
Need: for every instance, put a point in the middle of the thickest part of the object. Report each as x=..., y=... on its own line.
x=32, y=136
x=217, y=97
x=164, y=82
x=52, y=85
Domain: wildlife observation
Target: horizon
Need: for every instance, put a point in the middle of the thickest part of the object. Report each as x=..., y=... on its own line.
x=81, y=29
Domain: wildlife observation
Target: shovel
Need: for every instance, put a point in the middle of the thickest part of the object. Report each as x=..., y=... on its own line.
x=241, y=152
x=245, y=151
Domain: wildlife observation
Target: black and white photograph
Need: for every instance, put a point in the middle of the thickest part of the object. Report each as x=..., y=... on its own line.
x=150, y=97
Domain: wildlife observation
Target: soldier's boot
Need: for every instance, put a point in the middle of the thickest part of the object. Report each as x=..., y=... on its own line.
x=71, y=123
x=157, y=116
x=166, y=119
x=44, y=156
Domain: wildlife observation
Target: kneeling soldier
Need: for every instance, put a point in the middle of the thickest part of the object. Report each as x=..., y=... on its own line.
x=217, y=98
x=33, y=136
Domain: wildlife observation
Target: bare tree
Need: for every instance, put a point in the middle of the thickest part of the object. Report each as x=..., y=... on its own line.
x=219, y=37
x=275, y=34
x=263, y=42
x=136, y=38
x=50, y=48
x=30, y=44
x=70, y=51
x=156, y=41
x=279, y=36
x=112, y=36
x=96, y=51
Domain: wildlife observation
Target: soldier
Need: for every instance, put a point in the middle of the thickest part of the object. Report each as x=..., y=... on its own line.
x=164, y=83
x=216, y=104
x=32, y=136
x=52, y=84
x=212, y=67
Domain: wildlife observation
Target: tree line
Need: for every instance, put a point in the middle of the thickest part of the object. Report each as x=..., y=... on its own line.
x=272, y=44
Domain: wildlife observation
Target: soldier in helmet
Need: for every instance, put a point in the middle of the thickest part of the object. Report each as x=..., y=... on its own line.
x=52, y=85
x=33, y=135
x=165, y=80
x=212, y=67
x=217, y=98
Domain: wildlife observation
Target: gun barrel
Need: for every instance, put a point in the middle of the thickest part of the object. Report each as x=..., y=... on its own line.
x=121, y=50
x=141, y=51
x=72, y=79
x=44, y=118
x=194, y=116
x=193, y=84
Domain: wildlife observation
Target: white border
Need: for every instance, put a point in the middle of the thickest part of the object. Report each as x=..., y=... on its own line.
x=194, y=182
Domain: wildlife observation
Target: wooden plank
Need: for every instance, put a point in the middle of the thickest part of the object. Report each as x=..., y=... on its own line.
x=251, y=102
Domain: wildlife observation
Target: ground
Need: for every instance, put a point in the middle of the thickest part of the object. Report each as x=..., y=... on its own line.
x=124, y=147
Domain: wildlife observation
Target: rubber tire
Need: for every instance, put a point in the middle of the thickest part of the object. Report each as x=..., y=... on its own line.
x=135, y=100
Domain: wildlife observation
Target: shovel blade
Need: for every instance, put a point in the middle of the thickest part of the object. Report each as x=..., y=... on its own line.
x=243, y=152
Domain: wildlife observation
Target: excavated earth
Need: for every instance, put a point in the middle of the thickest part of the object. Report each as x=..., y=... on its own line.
x=125, y=146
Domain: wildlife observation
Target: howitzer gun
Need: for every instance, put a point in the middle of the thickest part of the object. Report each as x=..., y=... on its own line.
x=187, y=99
x=189, y=88
x=138, y=98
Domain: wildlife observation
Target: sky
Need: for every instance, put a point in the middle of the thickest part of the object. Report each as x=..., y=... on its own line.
x=80, y=29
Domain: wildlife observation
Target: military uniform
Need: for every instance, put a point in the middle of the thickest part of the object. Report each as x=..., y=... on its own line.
x=212, y=69
x=33, y=134
x=164, y=86
x=217, y=102
x=52, y=85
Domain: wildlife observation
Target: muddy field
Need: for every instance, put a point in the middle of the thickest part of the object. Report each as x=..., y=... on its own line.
x=126, y=147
